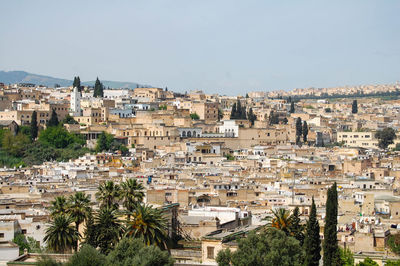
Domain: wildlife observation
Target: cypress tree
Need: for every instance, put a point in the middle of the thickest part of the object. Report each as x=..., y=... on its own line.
x=312, y=242
x=34, y=126
x=291, y=108
x=299, y=130
x=239, y=110
x=305, y=131
x=354, y=107
x=233, y=112
x=77, y=83
x=98, y=89
x=296, y=228
x=53, y=122
x=251, y=116
x=331, y=248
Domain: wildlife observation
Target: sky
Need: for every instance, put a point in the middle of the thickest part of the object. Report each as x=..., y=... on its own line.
x=218, y=46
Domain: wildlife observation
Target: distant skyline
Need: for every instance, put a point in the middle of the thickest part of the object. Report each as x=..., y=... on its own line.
x=224, y=46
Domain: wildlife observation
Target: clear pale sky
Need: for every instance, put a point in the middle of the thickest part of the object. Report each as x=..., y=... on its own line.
x=228, y=47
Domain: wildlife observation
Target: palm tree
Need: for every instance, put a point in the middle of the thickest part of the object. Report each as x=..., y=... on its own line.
x=131, y=194
x=61, y=236
x=58, y=206
x=281, y=220
x=148, y=223
x=108, y=227
x=78, y=208
x=108, y=194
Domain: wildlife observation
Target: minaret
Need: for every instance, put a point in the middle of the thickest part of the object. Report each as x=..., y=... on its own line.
x=75, y=102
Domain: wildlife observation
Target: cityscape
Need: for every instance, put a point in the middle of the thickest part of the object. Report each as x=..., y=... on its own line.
x=102, y=172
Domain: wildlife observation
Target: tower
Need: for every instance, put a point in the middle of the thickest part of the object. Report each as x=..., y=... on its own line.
x=75, y=102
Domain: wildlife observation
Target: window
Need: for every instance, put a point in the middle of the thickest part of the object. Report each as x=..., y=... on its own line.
x=210, y=252
x=24, y=231
x=1, y=235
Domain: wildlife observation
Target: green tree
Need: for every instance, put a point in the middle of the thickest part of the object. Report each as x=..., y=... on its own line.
x=87, y=256
x=53, y=122
x=296, y=228
x=392, y=263
x=299, y=130
x=109, y=229
x=224, y=257
x=273, y=118
x=20, y=240
x=77, y=83
x=34, y=130
x=194, y=116
x=15, y=145
x=108, y=194
x=272, y=247
x=312, y=241
x=347, y=257
x=292, y=109
x=367, y=262
x=331, y=249
x=305, y=131
x=386, y=137
x=131, y=251
x=149, y=224
x=220, y=114
x=233, y=111
x=61, y=237
x=131, y=194
x=59, y=137
x=394, y=243
x=104, y=142
x=98, y=89
x=281, y=220
x=78, y=208
x=69, y=120
x=90, y=232
x=251, y=116
x=354, y=107
x=58, y=206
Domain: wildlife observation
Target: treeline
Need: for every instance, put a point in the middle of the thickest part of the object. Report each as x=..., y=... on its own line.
x=27, y=146
x=123, y=231
x=239, y=112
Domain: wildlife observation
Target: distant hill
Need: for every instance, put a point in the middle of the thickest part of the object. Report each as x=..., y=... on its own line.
x=10, y=77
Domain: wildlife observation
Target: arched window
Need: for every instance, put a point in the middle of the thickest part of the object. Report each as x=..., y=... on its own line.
x=194, y=134
x=189, y=134
x=183, y=133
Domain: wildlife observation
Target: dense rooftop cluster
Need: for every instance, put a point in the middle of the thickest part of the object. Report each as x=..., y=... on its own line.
x=217, y=166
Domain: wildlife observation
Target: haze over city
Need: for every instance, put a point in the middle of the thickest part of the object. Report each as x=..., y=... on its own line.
x=216, y=46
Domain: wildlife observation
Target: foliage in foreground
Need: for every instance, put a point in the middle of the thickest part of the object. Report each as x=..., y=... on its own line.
x=272, y=247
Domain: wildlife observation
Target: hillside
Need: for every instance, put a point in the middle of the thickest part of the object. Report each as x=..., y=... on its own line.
x=10, y=77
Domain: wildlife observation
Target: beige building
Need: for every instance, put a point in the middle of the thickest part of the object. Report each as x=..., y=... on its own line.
x=207, y=111
x=358, y=139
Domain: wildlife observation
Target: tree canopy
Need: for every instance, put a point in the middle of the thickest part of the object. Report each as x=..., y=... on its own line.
x=385, y=137
x=271, y=247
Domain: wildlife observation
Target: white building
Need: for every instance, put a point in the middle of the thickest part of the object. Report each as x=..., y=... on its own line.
x=229, y=129
x=75, y=102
